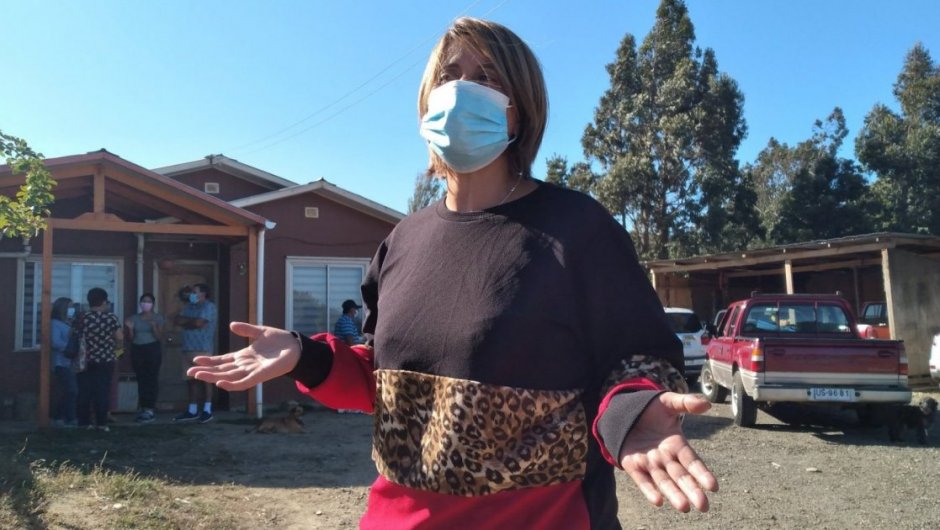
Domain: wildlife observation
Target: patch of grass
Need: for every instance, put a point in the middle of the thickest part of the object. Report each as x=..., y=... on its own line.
x=67, y=479
x=19, y=505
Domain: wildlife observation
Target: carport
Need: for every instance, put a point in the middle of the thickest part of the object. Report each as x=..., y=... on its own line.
x=901, y=269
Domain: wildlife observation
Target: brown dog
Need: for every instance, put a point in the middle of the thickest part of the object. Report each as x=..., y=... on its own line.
x=289, y=423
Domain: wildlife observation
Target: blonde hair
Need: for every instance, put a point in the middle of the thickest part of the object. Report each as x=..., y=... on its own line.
x=520, y=76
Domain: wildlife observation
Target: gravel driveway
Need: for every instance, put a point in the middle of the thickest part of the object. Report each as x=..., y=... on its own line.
x=826, y=473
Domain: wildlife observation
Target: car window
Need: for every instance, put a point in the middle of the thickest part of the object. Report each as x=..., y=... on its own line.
x=684, y=322
x=724, y=328
x=797, y=318
x=718, y=316
x=832, y=319
x=760, y=317
x=875, y=313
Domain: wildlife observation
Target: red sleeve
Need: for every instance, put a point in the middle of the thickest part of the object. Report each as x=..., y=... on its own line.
x=350, y=384
x=617, y=413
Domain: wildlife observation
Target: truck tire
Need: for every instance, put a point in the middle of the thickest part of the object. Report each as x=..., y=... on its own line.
x=713, y=392
x=742, y=405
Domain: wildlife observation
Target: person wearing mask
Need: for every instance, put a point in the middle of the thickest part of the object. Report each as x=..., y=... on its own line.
x=520, y=351
x=346, y=327
x=66, y=384
x=198, y=320
x=101, y=330
x=145, y=333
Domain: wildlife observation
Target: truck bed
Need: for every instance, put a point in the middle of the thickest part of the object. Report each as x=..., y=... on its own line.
x=831, y=361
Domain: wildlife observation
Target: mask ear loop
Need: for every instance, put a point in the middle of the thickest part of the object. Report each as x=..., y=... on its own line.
x=513, y=137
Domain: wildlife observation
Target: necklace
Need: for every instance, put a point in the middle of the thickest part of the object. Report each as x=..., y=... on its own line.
x=511, y=190
x=508, y=195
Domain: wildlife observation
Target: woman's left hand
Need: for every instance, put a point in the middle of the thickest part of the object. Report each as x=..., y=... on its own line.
x=660, y=460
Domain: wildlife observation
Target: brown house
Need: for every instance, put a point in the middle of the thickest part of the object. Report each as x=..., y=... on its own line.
x=271, y=251
x=316, y=254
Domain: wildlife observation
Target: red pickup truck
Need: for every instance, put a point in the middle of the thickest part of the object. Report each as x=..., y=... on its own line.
x=801, y=348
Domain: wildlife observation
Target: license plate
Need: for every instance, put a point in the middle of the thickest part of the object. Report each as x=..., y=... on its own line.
x=832, y=394
x=695, y=362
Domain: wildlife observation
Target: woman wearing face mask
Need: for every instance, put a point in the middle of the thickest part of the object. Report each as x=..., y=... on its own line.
x=101, y=330
x=145, y=331
x=66, y=387
x=520, y=352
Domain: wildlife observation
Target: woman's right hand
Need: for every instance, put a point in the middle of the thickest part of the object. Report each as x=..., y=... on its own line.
x=271, y=353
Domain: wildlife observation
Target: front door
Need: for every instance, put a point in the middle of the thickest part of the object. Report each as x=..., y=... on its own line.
x=172, y=278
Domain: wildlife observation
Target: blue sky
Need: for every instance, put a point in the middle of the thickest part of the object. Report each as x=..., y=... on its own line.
x=311, y=89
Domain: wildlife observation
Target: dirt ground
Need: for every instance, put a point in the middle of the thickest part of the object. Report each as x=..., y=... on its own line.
x=825, y=473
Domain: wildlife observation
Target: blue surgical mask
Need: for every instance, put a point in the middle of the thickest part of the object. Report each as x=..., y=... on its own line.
x=70, y=312
x=193, y=298
x=466, y=124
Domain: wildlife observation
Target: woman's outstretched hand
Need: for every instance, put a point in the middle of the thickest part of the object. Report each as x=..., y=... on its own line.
x=271, y=353
x=660, y=460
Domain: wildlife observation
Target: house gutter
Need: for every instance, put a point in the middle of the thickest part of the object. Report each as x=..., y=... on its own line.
x=259, y=388
x=27, y=250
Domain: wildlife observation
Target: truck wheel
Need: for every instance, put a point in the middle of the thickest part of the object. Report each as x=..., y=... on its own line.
x=742, y=405
x=713, y=392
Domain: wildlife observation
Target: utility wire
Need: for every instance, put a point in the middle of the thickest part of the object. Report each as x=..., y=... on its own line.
x=420, y=45
x=337, y=113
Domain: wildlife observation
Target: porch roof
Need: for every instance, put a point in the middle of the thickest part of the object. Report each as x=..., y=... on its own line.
x=100, y=190
x=817, y=252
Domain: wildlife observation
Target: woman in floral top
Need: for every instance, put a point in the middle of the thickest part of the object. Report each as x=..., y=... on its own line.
x=102, y=330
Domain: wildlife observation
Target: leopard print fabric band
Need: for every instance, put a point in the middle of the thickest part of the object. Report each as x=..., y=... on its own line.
x=461, y=437
x=652, y=368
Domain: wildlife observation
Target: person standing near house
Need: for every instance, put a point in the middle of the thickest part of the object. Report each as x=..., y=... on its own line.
x=198, y=320
x=66, y=385
x=521, y=353
x=102, y=330
x=346, y=327
x=145, y=333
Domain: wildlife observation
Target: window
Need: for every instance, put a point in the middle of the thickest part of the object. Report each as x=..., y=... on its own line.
x=760, y=318
x=832, y=319
x=875, y=314
x=316, y=290
x=797, y=318
x=682, y=322
x=724, y=326
x=71, y=279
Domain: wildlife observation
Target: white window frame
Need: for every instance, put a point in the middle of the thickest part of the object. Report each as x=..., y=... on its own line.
x=293, y=261
x=117, y=262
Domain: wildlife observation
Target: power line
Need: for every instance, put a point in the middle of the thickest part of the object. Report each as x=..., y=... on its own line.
x=334, y=102
x=317, y=112
x=337, y=113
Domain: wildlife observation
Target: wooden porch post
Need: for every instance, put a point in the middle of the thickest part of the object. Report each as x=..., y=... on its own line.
x=45, y=345
x=788, y=273
x=253, y=281
x=889, y=293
